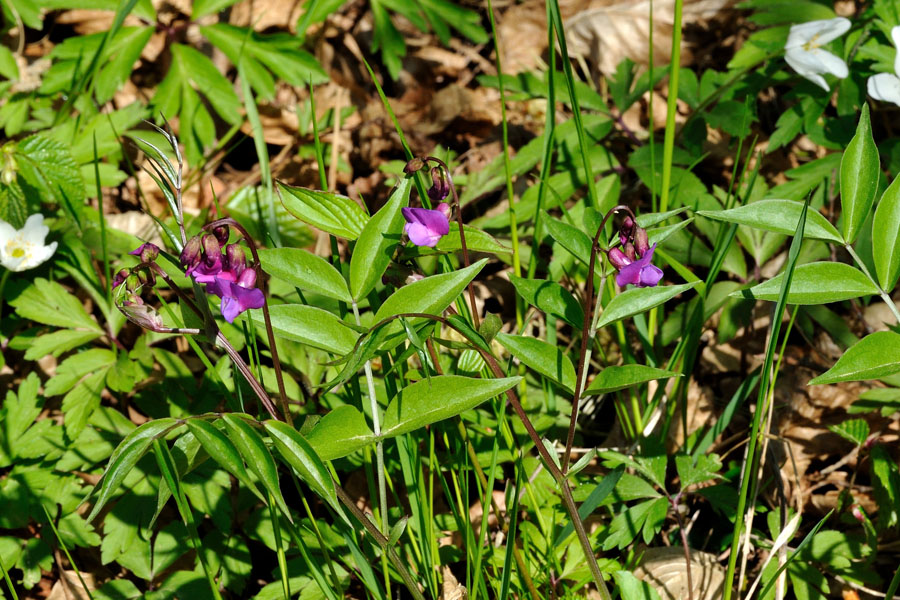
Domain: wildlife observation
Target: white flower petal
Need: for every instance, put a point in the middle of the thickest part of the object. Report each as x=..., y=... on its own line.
x=34, y=230
x=831, y=63
x=884, y=87
x=822, y=31
x=807, y=65
x=833, y=29
x=7, y=232
x=41, y=254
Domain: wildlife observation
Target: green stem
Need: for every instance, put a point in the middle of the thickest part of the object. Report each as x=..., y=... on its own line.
x=669, y=142
x=9, y=583
x=884, y=295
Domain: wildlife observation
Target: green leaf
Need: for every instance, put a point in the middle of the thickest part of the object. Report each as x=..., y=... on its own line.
x=852, y=430
x=477, y=240
x=632, y=588
x=50, y=303
x=597, y=495
x=876, y=355
x=439, y=398
x=886, y=481
x=692, y=471
x=376, y=243
x=546, y=359
x=309, y=325
x=57, y=342
x=332, y=213
x=220, y=449
x=637, y=300
x=339, y=433
x=860, y=170
x=298, y=453
x=50, y=173
x=815, y=283
x=886, y=237
x=202, y=8
x=431, y=295
x=779, y=216
x=280, y=53
x=614, y=378
x=571, y=238
x=551, y=298
x=306, y=271
x=126, y=455
x=251, y=447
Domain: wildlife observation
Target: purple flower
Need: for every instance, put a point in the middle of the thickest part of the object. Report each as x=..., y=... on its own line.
x=640, y=273
x=425, y=227
x=147, y=251
x=237, y=296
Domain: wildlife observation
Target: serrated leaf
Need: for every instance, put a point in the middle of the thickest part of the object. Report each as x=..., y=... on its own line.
x=298, y=453
x=332, y=213
x=340, y=432
x=860, y=170
x=309, y=325
x=438, y=398
x=637, y=300
x=253, y=450
x=852, y=430
x=632, y=588
x=815, y=283
x=614, y=378
x=886, y=481
x=50, y=303
x=551, y=298
x=126, y=455
x=886, y=237
x=57, y=342
x=876, y=355
x=692, y=471
x=50, y=172
x=221, y=450
x=306, y=271
x=372, y=252
x=779, y=216
x=546, y=359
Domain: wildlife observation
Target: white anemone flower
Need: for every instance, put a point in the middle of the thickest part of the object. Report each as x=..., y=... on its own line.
x=886, y=86
x=25, y=249
x=804, y=54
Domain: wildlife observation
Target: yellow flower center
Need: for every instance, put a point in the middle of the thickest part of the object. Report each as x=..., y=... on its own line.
x=811, y=44
x=19, y=248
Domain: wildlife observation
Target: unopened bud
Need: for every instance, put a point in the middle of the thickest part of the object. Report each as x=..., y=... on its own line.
x=445, y=209
x=222, y=233
x=414, y=278
x=618, y=259
x=120, y=278
x=416, y=164
x=147, y=251
x=146, y=277
x=235, y=260
x=212, y=250
x=858, y=513
x=629, y=251
x=190, y=255
x=440, y=187
x=247, y=279
x=641, y=241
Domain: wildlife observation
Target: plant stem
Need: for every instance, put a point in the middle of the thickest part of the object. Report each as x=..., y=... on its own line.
x=884, y=295
x=669, y=141
x=376, y=428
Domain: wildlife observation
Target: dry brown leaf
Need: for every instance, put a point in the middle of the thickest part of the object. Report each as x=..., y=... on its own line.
x=267, y=14
x=71, y=588
x=452, y=588
x=666, y=570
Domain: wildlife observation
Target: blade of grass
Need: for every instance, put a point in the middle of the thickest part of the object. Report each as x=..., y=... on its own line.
x=62, y=545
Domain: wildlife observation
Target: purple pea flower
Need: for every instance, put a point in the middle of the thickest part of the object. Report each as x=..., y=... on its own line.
x=425, y=227
x=147, y=251
x=237, y=296
x=639, y=273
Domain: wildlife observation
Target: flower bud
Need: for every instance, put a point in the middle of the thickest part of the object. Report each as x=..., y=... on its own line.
x=247, y=278
x=440, y=187
x=641, y=241
x=212, y=250
x=416, y=164
x=142, y=315
x=445, y=209
x=146, y=277
x=147, y=251
x=235, y=260
x=120, y=278
x=629, y=251
x=190, y=255
x=414, y=278
x=618, y=259
x=222, y=233
x=858, y=513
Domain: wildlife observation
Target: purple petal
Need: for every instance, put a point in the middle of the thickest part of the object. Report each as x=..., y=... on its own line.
x=425, y=226
x=650, y=276
x=235, y=299
x=204, y=273
x=421, y=235
x=629, y=274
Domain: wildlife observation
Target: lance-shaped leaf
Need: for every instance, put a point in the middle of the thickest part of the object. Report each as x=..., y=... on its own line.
x=637, y=300
x=332, y=213
x=126, y=455
x=876, y=355
x=551, y=298
x=886, y=237
x=220, y=449
x=779, y=216
x=377, y=241
x=439, y=398
x=340, y=432
x=430, y=295
x=860, y=170
x=815, y=283
x=309, y=325
x=306, y=271
x=253, y=449
x=571, y=238
x=612, y=379
x=298, y=453
x=546, y=359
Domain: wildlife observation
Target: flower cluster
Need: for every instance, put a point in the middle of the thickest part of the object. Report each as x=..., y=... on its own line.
x=25, y=249
x=225, y=273
x=426, y=226
x=133, y=282
x=632, y=260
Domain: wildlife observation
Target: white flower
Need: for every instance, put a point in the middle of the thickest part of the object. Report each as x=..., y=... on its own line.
x=886, y=86
x=25, y=249
x=804, y=54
